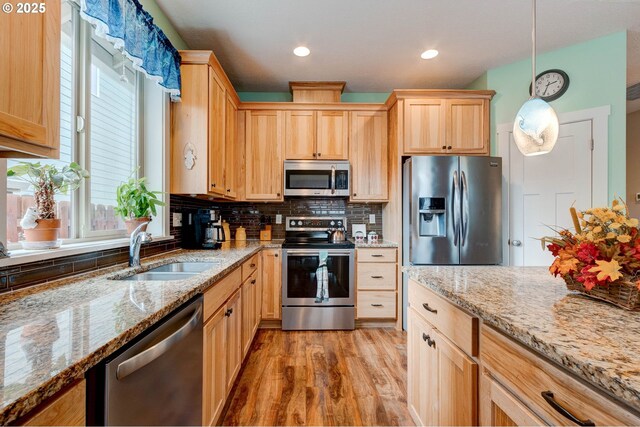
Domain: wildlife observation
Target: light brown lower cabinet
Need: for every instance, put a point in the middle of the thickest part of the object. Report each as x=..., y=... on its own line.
x=501, y=408
x=271, y=284
x=66, y=408
x=234, y=338
x=251, y=310
x=214, y=369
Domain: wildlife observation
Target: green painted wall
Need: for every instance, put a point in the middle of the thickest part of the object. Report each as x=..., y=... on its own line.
x=373, y=97
x=597, y=74
x=161, y=20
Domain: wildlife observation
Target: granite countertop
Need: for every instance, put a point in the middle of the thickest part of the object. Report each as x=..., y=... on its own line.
x=595, y=340
x=380, y=244
x=53, y=333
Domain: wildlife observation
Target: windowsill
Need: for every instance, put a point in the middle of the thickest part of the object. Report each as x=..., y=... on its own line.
x=21, y=256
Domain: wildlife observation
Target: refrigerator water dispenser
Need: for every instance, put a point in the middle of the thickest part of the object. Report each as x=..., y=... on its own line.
x=432, y=217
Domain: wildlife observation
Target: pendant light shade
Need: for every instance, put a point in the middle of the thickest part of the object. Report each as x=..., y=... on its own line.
x=535, y=129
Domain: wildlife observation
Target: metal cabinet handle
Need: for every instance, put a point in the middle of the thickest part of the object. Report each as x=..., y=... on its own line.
x=141, y=360
x=377, y=277
x=548, y=396
x=444, y=147
x=354, y=194
x=428, y=340
x=516, y=243
x=278, y=194
x=377, y=255
x=315, y=154
x=449, y=148
x=252, y=266
x=276, y=255
x=213, y=185
x=432, y=310
x=376, y=305
x=319, y=154
x=229, y=312
x=253, y=282
x=228, y=190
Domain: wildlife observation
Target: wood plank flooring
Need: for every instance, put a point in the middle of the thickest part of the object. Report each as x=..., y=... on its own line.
x=347, y=378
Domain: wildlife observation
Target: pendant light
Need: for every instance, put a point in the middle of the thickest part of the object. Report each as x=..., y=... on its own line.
x=535, y=129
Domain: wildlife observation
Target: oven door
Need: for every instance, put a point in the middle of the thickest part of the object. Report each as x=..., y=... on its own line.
x=299, y=282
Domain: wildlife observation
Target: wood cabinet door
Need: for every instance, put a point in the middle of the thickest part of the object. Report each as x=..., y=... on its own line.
x=30, y=82
x=217, y=107
x=498, y=407
x=271, y=284
x=368, y=155
x=234, y=338
x=214, y=390
x=264, y=151
x=457, y=384
x=231, y=149
x=248, y=292
x=332, y=135
x=467, y=126
x=422, y=366
x=67, y=408
x=300, y=135
x=257, y=291
x=424, y=126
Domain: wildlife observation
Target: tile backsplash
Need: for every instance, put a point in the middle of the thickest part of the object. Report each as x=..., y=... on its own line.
x=248, y=214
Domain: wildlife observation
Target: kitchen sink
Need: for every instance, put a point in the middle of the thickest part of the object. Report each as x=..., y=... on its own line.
x=173, y=271
x=185, y=267
x=158, y=275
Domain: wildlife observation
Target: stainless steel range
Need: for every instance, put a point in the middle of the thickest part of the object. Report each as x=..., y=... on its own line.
x=317, y=276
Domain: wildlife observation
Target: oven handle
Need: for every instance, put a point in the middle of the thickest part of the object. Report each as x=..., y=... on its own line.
x=307, y=252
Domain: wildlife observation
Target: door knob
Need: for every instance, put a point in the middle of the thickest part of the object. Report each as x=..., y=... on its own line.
x=516, y=243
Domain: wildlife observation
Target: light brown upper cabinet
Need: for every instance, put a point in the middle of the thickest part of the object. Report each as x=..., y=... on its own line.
x=322, y=135
x=204, y=130
x=368, y=156
x=30, y=83
x=264, y=155
x=445, y=121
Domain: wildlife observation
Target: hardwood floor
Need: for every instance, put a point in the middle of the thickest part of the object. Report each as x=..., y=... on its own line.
x=322, y=378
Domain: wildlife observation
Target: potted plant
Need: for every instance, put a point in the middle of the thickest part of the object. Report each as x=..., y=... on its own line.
x=40, y=226
x=136, y=203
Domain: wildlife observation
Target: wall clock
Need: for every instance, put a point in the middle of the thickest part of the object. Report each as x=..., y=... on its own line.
x=551, y=84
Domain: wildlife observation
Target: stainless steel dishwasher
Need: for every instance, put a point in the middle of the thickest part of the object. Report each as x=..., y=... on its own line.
x=158, y=379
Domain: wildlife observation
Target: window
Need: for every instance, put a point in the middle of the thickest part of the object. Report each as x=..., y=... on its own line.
x=100, y=128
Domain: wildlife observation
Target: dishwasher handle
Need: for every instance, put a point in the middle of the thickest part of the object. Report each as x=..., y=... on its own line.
x=142, y=359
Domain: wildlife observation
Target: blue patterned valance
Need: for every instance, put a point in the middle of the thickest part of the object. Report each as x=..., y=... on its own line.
x=131, y=29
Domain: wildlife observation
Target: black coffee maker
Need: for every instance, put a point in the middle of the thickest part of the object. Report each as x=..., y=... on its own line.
x=202, y=229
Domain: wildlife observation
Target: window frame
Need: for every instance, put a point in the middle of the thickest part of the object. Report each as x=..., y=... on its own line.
x=80, y=206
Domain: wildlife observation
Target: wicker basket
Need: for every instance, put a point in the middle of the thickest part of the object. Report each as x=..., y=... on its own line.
x=623, y=293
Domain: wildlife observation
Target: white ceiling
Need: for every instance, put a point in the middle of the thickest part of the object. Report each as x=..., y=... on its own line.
x=375, y=45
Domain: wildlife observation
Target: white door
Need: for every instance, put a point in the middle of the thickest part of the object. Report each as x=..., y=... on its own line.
x=543, y=188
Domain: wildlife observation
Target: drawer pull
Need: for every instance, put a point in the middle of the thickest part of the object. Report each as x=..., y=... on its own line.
x=425, y=337
x=432, y=310
x=377, y=255
x=376, y=305
x=548, y=396
x=229, y=312
x=252, y=266
x=253, y=282
x=377, y=277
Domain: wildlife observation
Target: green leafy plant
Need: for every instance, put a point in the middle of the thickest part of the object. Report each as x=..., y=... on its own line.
x=47, y=181
x=135, y=200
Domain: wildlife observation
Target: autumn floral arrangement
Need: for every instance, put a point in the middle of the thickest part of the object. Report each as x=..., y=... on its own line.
x=602, y=257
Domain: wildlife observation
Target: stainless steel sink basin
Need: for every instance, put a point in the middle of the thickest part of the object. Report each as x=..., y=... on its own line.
x=185, y=267
x=173, y=271
x=156, y=275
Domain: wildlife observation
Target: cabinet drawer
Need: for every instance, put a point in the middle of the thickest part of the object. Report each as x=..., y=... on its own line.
x=529, y=375
x=376, y=276
x=250, y=266
x=454, y=323
x=377, y=305
x=216, y=295
x=376, y=255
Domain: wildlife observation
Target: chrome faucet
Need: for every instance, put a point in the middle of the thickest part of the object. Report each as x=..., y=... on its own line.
x=138, y=237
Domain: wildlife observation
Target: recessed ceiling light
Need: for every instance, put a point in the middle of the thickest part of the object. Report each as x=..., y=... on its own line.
x=429, y=54
x=301, y=51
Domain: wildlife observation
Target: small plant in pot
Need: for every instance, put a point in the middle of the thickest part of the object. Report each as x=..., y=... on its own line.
x=136, y=203
x=40, y=226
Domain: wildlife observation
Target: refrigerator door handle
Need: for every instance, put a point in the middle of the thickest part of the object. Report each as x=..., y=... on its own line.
x=464, y=193
x=455, y=192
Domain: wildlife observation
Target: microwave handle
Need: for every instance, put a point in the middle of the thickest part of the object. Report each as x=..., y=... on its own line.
x=333, y=179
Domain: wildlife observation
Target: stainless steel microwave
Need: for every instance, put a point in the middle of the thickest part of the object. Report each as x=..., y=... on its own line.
x=316, y=178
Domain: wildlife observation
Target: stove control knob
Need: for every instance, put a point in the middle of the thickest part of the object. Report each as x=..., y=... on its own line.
x=300, y=223
x=332, y=223
x=292, y=223
x=339, y=223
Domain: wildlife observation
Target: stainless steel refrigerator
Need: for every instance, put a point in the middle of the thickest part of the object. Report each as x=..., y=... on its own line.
x=452, y=211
